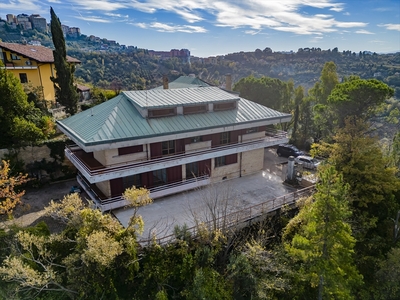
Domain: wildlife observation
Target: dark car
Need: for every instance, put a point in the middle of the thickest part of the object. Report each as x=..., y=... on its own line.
x=287, y=150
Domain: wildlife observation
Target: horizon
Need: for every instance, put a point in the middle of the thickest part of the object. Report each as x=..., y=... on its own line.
x=210, y=28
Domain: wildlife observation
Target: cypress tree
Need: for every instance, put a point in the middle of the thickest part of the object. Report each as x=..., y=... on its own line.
x=66, y=93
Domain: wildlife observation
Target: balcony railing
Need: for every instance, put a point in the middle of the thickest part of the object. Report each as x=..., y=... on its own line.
x=95, y=172
x=106, y=204
x=242, y=217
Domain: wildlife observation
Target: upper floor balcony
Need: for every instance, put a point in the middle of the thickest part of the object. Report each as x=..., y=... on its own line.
x=94, y=171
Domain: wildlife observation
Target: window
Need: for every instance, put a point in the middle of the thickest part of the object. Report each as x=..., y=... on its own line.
x=23, y=78
x=194, y=109
x=220, y=161
x=225, y=160
x=224, y=106
x=134, y=180
x=156, y=113
x=192, y=170
x=168, y=147
x=129, y=150
x=14, y=57
x=251, y=130
x=159, y=177
x=224, y=138
x=196, y=139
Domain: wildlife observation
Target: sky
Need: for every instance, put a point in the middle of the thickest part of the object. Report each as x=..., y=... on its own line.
x=214, y=27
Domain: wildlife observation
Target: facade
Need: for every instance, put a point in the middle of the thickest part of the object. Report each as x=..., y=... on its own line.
x=32, y=64
x=39, y=23
x=168, y=140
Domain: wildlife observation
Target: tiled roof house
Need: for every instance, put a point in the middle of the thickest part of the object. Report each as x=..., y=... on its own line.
x=32, y=64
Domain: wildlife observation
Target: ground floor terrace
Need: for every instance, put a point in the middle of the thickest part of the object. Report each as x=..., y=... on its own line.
x=235, y=200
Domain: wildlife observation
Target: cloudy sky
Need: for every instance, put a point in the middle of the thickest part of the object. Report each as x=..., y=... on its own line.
x=213, y=27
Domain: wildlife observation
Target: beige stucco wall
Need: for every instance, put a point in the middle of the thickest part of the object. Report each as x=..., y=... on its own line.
x=111, y=157
x=104, y=187
x=228, y=171
x=197, y=146
x=252, y=161
x=253, y=136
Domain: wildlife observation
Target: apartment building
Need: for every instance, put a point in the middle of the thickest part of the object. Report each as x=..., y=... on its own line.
x=168, y=140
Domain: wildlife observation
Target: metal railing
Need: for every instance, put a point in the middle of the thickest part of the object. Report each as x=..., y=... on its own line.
x=70, y=149
x=243, y=215
x=155, y=192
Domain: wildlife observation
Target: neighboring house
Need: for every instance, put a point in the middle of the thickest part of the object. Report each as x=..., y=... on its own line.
x=83, y=91
x=168, y=140
x=32, y=64
x=183, y=82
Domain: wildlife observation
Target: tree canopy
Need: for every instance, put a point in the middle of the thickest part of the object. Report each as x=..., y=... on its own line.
x=21, y=122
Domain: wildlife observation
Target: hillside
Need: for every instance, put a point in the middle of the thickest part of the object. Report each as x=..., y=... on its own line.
x=133, y=68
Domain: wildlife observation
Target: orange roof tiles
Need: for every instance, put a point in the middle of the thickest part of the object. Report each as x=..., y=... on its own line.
x=37, y=53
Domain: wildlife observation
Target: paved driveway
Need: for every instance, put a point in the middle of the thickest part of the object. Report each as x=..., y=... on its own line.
x=218, y=199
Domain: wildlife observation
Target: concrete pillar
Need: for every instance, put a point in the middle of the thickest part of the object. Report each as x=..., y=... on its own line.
x=290, y=169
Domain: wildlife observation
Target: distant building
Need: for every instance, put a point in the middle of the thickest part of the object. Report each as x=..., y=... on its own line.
x=64, y=29
x=39, y=23
x=183, y=54
x=11, y=18
x=24, y=22
x=74, y=32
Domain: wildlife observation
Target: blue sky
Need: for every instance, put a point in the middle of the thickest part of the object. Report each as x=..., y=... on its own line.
x=213, y=27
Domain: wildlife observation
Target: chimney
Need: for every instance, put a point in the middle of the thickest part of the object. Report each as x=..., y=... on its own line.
x=228, y=82
x=165, y=82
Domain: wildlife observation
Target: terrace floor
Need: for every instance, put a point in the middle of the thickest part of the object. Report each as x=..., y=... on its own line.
x=163, y=214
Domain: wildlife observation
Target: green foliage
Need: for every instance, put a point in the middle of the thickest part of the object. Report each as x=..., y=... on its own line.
x=66, y=93
x=319, y=240
x=21, y=123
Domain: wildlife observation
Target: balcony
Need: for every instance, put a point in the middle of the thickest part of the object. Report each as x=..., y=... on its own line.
x=105, y=204
x=94, y=171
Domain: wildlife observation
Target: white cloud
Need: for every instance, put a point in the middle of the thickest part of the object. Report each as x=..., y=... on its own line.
x=284, y=15
x=93, y=19
x=116, y=15
x=163, y=27
x=27, y=5
x=391, y=26
x=252, y=32
x=363, y=31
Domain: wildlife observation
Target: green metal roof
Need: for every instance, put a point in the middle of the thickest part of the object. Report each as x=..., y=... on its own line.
x=166, y=98
x=185, y=82
x=118, y=120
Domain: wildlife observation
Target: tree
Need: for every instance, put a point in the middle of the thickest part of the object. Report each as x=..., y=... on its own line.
x=66, y=93
x=374, y=188
x=10, y=197
x=357, y=98
x=299, y=96
x=319, y=239
x=20, y=122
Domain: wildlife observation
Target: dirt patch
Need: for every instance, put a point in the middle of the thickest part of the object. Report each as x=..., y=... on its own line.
x=30, y=211
x=35, y=200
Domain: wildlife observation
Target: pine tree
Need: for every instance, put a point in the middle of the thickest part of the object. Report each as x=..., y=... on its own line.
x=319, y=239
x=66, y=93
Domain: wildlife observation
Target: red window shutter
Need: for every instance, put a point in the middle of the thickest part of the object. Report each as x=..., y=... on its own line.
x=231, y=159
x=155, y=150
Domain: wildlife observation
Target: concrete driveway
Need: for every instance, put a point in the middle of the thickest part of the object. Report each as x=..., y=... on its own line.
x=200, y=205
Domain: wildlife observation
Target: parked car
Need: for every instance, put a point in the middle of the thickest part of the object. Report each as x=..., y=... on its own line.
x=307, y=161
x=287, y=150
